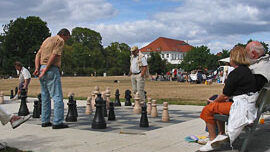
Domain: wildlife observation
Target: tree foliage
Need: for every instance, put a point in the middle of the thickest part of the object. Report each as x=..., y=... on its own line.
x=199, y=58
x=156, y=64
x=22, y=39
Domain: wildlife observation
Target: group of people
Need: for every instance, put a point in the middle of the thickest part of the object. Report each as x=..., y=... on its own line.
x=251, y=72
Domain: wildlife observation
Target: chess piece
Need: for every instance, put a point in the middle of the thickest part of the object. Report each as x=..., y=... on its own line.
x=99, y=121
x=104, y=108
x=127, y=97
x=39, y=103
x=11, y=94
x=117, y=100
x=2, y=98
x=71, y=115
x=23, y=111
x=108, y=95
x=144, y=119
x=111, y=111
x=96, y=91
x=165, y=113
x=149, y=106
x=16, y=91
x=154, y=109
x=137, y=108
x=93, y=102
x=88, y=109
x=36, y=113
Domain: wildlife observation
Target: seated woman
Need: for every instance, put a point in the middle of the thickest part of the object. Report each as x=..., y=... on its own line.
x=240, y=81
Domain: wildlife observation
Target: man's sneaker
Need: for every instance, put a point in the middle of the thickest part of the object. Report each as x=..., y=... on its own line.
x=219, y=140
x=207, y=147
x=47, y=124
x=19, y=121
x=60, y=126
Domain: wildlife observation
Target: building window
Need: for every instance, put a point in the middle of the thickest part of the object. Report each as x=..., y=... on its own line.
x=168, y=56
x=162, y=56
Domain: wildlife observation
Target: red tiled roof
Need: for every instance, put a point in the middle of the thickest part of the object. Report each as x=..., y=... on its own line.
x=166, y=44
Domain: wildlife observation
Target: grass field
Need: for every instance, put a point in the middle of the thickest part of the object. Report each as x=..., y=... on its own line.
x=173, y=92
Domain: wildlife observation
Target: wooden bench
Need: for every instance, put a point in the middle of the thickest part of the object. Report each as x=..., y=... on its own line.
x=261, y=102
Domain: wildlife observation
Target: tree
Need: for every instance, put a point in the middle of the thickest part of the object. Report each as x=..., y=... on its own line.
x=156, y=64
x=199, y=58
x=22, y=39
x=118, y=58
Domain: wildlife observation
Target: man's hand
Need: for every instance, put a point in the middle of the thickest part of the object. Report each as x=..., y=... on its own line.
x=42, y=73
x=36, y=72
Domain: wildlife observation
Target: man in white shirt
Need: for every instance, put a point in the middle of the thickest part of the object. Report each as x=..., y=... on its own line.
x=138, y=71
x=24, y=78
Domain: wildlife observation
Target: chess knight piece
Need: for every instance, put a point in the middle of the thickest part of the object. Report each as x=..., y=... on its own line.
x=23, y=111
x=117, y=100
x=36, y=113
x=111, y=112
x=154, y=109
x=127, y=97
x=144, y=119
x=99, y=121
x=165, y=113
x=137, y=108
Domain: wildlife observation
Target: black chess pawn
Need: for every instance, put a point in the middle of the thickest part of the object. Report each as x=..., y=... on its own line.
x=104, y=109
x=36, y=113
x=11, y=94
x=39, y=103
x=99, y=121
x=144, y=119
x=23, y=111
x=111, y=112
x=71, y=115
x=127, y=97
x=117, y=100
x=16, y=91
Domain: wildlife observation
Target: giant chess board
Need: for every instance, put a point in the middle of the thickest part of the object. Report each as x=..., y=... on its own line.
x=126, y=121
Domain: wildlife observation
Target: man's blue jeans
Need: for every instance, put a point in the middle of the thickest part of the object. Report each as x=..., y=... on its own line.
x=51, y=87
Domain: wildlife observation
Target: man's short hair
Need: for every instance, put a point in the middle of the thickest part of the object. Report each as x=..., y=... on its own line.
x=256, y=46
x=17, y=63
x=238, y=56
x=64, y=32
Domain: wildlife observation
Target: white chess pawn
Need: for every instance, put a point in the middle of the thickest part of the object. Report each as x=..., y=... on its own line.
x=137, y=107
x=93, y=101
x=88, y=109
x=1, y=97
x=149, y=106
x=165, y=113
x=108, y=95
x=154, y=112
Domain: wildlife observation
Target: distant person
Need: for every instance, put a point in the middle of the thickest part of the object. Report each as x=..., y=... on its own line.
x=47, y=63
x=24, y=78
x=241, y=87
x=138, y=71
x=15, y=121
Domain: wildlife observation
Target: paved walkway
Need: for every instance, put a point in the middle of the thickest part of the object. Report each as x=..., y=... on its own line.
x=166, y=139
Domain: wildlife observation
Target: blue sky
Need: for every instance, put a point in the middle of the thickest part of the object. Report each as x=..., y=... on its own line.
x=217, y=24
